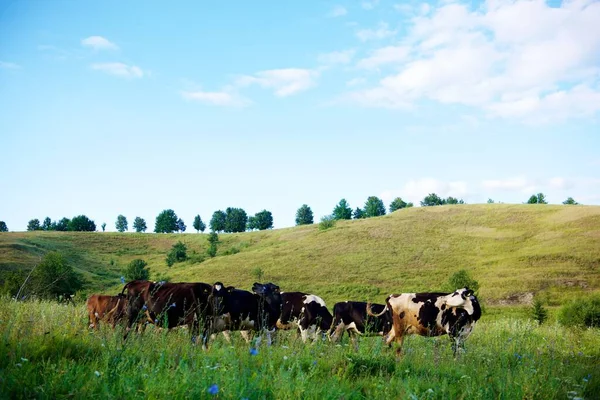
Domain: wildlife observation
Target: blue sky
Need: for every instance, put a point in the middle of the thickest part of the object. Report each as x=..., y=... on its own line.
x=134, y=107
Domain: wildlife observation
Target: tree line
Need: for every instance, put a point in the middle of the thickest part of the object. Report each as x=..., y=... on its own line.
x=236, y=219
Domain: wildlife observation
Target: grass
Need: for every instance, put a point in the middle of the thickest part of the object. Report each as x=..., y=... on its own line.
x=46, y=351
x=514, y=251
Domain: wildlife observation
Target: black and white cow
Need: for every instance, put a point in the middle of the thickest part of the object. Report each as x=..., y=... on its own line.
x=352, y=317
x=241, y=310
x=431, y=314
x=305, y=311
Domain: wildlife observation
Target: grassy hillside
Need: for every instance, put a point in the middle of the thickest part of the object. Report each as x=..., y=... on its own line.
x=514, y=251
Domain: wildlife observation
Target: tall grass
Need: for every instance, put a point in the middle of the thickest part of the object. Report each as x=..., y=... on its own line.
x=46, y=351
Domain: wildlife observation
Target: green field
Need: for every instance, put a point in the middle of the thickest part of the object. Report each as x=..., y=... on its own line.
x=515, y=252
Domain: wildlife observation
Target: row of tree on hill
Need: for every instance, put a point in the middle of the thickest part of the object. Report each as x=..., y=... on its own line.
x=236, y=220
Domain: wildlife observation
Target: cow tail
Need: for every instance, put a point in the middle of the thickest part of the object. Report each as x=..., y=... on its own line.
x=372, y=314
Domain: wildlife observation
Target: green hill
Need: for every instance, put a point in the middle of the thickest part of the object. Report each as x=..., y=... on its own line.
x=514, y=251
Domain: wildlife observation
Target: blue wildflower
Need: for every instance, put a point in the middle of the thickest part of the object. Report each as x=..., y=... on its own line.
x=315, y=362
x=213, y=389
x=122, y=279
x=253, y=352
x=587, y=378
x=173, y=305
x=144, y=307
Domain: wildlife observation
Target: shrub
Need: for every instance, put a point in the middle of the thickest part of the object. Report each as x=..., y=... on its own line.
x=213, y=239
x=258, y=274
x=53, y=277
x=137, y=270
x=327, y=222
x=462, y=279
x=538, y=312
x=581, y=312
x=178, y=253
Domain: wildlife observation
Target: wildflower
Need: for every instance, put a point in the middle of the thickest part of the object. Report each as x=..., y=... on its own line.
x=314, y=362
x=97, y=373
x=286, y=357
x=19, y=364
x=213, y=389
x=173, y=305
x=144, y=307
x=122, y=279
x=430, y=390
x=253, y=352
x=587, y=378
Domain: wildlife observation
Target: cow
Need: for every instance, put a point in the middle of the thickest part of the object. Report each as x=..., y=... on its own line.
x=241, y=310
x=352, y=317
x=111, y=309
x=431, y=314
x=305, y=311
x=171, y=304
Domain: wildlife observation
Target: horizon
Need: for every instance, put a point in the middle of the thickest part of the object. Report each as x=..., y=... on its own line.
x=114, y=108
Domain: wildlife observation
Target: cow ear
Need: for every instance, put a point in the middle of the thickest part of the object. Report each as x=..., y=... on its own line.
x=230, y=288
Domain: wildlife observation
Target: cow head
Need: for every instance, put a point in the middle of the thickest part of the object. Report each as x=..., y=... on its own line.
x=270, y=293
x=462, y=298
x=217, y=297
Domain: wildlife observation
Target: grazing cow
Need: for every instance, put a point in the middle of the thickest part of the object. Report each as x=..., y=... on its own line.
x=171, y=304
x=431, y=314
x=240, y=310
x=108, y=308
x=305, y=311
x=352, y=317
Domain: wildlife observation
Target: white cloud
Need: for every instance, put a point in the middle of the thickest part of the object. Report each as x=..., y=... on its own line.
x=119, y=69
x=356, y=82
x=519, y=183
x=369, y=5
x=383, y=31
x=416, y=190
x=9, y=65
x=284, y=82
x=383, y=56
x=338, y=11
x=98, y=43
x=337, y=57
x=222, y=98
x=515, y=59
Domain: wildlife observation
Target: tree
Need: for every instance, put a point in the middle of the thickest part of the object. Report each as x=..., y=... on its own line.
x=121, y=224
x=213, y=240
x=47, y=224
x=461, y=279
x=180, y=225
x=137, y=270
x=432, y=199
x=34, y=225
x=454, y=200
x=139, y=224
x=490, y=201
x=199, y=226
x=374, y=207
x=63, y=225
x=263, y=220
x=103, y=226
x=178, y=253
x=358, y=213
x=342, y=210
x=53, y=277
x=81, y=223
x=3, y=227
x=398, y=204
x=235, y=220
x=166, y=222
x=570, y=200
x=538, y=311
x=539, y=198
x=304, y=215
x=252, y=224
x=327, y=222
x=217, y=222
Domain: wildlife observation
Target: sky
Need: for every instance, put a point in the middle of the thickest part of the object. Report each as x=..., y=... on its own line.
x=134, y=107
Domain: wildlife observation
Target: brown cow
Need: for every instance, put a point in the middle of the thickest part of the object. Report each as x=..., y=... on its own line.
x=168, y=304
x=108, y=308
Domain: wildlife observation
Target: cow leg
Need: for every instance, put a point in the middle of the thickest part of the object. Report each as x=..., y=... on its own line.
x=93, y=321
x=338, y=332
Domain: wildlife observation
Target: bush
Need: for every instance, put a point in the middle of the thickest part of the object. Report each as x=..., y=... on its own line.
x=53, y=277
x=582, y=312
x=178, y=253
x=213, y=239
x=137, y=270
x=461, y=279
x=538, y=312
x=327, y=222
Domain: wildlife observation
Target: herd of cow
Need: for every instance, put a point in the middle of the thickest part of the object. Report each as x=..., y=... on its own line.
x=210, y=309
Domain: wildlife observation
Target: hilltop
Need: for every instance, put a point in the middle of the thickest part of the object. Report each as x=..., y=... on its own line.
x=514, y=251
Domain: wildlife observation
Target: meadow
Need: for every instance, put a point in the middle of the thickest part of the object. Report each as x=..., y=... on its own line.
x=47, y=352
x=515, y=252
